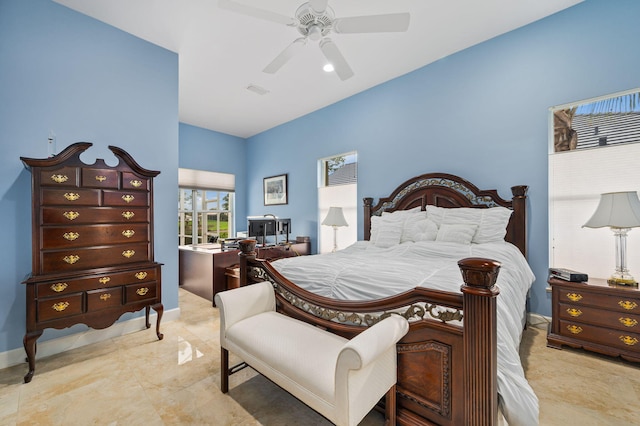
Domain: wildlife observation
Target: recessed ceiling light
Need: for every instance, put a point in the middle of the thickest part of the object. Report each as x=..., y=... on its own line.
x=328, y=68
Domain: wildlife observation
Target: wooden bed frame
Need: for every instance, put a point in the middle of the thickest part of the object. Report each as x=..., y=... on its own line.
x=447, y=373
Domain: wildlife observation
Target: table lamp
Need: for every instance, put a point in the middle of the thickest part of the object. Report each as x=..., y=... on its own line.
x=335, y=218
x=620, y=211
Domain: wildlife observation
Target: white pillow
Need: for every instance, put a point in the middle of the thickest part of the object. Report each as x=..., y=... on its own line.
x=417, y=228
x=492, y=222
x=456, y=233
x=400, y=216
x=387, y=232
x=404, y=213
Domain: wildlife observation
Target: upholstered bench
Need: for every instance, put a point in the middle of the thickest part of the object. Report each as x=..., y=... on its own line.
x=340, y=379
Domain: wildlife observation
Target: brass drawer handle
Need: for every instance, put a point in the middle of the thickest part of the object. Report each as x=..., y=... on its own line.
x=71, y=215
x=628, y=305
x=59, y=287
x=629, y=322
x=71, y=259
x=574, y=297
x=128, y=198
x=104, y=280
x=574, y=312
x=128, y=253
x=105, y=296
x=142, y=291
x=128, y=233
x=101, y=178
x=60, y=306
x=71, y=196
x=628, y=340
x=59, y=178
x=71, y=236
x=136, y=183
x=128, y=215
x=141, y=275
x=574, y=329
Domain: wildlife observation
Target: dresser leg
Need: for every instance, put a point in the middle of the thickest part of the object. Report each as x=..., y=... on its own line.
x=159, y=308
x=29, y=342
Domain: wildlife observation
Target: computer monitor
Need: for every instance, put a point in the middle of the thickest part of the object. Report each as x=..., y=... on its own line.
x=262, y=227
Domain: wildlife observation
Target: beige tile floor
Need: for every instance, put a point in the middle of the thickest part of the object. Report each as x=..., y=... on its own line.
x=138, y=380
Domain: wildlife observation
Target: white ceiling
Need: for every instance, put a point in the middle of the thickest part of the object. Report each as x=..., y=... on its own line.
x=222, y=52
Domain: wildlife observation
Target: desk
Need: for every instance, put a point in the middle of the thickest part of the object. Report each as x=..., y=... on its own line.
x=202, y=269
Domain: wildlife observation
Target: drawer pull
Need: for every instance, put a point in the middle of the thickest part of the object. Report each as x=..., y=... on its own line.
x=128, y=233
x=574, y=297
x=60, y=306
x=628, y=322
x=136, y=183
x=59, y=287
x=71, y=236
x=628, y=340
x=128, y=253
x=71, y=215
x=142, y=291
x=128, y=215
x=71, y=196
x=574, y=329
x=141, y=275
x=59, y=178
x=628, y=305
x=574, y=312
x=104, y=280
x=128, y=198
x=71, y=259
x=101, y=178
x=105, y=296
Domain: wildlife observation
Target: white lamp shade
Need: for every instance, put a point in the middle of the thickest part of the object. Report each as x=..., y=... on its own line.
x=335, y=217
x=616, y=210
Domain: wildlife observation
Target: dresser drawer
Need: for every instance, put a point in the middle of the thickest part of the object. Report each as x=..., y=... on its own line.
x=595, y=316
x=104, y=298
x=139, y=292
x=70, y=197
x=59, y=307
x=94, y=257
x=616, y=338
x=64, y=287
x=621, y=303
x=131, y=181
x=93, y=215
x=65, y=176
x=93, y=235
x=126, y=198
x=99, y=178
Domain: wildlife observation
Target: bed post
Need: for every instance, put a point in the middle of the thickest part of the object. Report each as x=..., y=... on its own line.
x=519, y=205
x=368, y=202
x=480, y=340
x=247, y=252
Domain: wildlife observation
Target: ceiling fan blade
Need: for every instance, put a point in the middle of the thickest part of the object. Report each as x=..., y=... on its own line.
x=254, y=12
x=394, y=22
x=318, y=6
x=333, y=55
x=285, y=55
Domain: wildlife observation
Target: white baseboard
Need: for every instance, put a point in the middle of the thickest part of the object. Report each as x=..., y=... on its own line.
x=77, y=340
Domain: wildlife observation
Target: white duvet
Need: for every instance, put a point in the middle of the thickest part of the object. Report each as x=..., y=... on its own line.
x=365, y=272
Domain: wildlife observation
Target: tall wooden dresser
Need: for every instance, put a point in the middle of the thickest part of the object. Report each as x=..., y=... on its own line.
x=92, y=244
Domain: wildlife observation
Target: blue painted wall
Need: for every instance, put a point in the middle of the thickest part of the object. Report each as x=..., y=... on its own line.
x=481, y=114
x=64, y=72
x=203, y=149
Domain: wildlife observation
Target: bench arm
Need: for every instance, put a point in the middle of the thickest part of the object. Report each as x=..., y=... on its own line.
x=244, y=302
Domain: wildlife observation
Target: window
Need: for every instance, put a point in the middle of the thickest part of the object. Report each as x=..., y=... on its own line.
x=204, y=216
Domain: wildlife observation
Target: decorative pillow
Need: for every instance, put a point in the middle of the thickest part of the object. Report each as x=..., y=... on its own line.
x=404, y=213
x=400, y=216
x=456, y=233
x=387, y=232
x=492, y=222
x=418, y=228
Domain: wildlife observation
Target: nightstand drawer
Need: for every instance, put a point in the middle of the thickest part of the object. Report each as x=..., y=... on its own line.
x=604, y=336
x=585, y=298
x=600, y=317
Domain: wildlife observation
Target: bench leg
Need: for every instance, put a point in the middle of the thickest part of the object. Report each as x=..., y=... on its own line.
x=224, y=370
x=390, y=407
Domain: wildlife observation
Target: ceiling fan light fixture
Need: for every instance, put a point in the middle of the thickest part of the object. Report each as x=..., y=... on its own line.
x=328, y=68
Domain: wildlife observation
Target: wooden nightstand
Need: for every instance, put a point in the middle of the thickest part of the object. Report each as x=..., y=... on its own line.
x=596, y=316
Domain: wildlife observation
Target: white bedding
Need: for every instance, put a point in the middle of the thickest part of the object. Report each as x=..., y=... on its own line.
x=366, y=272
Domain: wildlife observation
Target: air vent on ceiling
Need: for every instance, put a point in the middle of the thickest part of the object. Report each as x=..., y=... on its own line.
x=257, y=89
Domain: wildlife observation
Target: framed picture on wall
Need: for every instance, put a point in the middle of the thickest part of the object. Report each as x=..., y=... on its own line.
x=275, y=190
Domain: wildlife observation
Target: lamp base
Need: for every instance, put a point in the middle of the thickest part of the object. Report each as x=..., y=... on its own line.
x=622, y=279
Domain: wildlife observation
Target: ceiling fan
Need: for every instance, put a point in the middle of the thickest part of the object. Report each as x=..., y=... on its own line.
x=315, y=20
